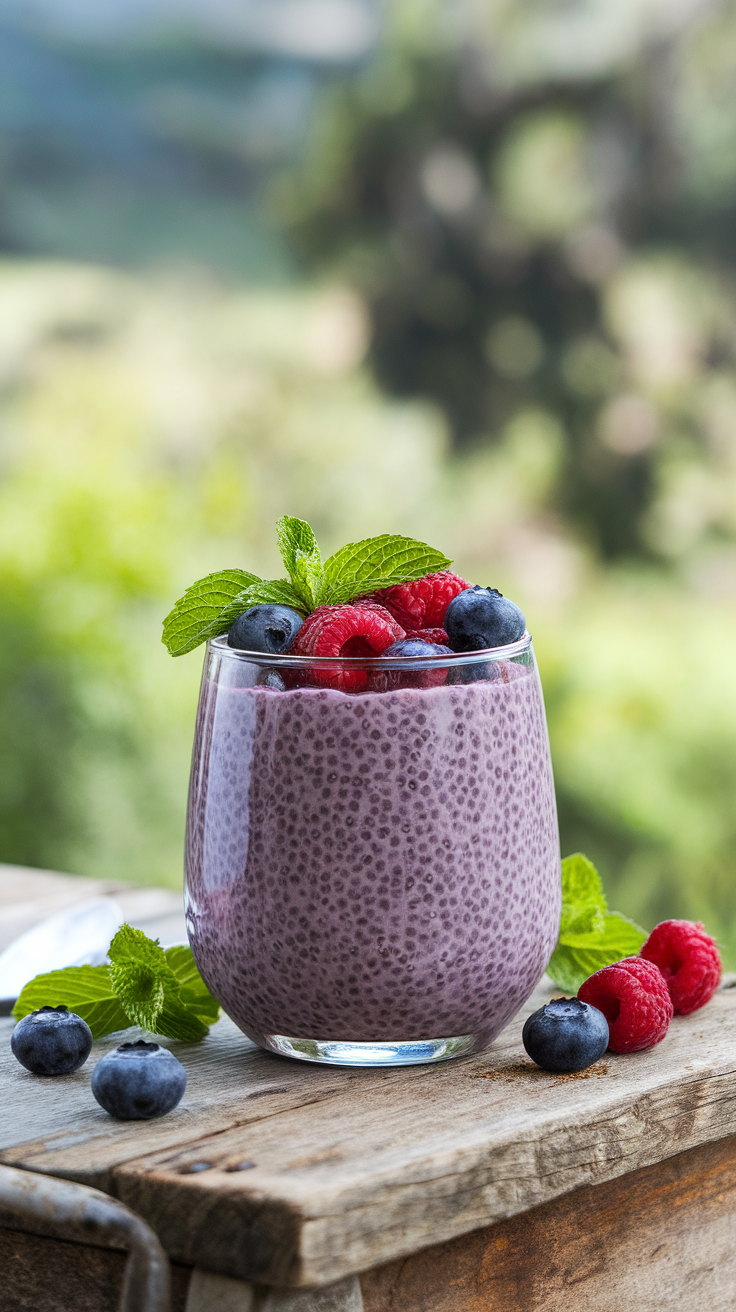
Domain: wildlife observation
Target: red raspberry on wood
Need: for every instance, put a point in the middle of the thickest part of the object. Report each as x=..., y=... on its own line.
x=422, y=604
x=348, y=630
x=634, y=999
x=689, y=961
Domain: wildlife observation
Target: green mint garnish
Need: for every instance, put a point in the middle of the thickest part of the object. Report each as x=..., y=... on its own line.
x=374, y=563
x=591, y=936
x=205, y=610
x=209, y=607
x=301, y=556
x=143, y=985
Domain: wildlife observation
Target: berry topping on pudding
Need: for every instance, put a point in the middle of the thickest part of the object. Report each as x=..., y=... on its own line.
x=482, y=617
x=265, y=628
x=361, y=601
x=422, y=603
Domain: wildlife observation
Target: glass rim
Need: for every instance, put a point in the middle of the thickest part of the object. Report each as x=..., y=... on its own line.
x=219, y=646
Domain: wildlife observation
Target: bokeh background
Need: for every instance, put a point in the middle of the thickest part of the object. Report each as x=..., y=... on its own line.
x=464, y=269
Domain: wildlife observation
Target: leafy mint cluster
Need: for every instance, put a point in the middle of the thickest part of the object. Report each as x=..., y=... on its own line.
x=162, y=991
x=591, y=936
x=210, y=606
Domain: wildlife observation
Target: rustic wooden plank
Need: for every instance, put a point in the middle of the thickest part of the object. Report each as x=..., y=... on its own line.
x=230, y=1082
x=28, y=896
x=661, y=1237
x=43, y=1274
x=354, y=1168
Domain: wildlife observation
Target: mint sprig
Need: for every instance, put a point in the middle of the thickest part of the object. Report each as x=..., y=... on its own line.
x=209, y=607
x=206, y=610
x=301, y=556
x=591, y=936
x=162, y=991
x=375, y=563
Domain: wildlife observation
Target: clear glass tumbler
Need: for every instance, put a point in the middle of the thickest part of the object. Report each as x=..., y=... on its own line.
x=372, y=857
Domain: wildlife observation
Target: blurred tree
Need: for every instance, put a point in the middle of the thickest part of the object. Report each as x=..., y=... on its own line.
x=489, y=181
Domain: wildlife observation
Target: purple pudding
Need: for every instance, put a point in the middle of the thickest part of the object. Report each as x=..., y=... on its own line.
x=372, y=868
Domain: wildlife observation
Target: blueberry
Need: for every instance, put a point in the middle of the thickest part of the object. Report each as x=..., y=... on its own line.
x=265, y=628
x=482, y=617
x=566, y=1035
x=51, y=1041
x=138, y=1081
x=415, y=647
x=473, y=673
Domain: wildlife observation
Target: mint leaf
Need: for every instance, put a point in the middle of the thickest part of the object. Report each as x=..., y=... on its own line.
x=162, y=991
x=578, y=956
x=86, y=990
x=583, y=900
x=296, y=538
x=140, y=989
x=207, y=609
x=278, y=591
x=591, y=936
x=176, y=1021
x=301, y=556
x=143, y=985
x=193, y=991
x=140, y=975
x=376, y=563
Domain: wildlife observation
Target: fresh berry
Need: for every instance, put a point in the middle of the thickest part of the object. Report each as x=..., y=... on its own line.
x=361, y=629
x=482, y=617
x=474, y=672
x=422, y=604
x=416, y=647
x=566, y=1035
x=689, y=961
x=265, y=628
x=634, y=999
x=385, y=680
x=138, y=1081
x=437, y=636
x=51, y=1041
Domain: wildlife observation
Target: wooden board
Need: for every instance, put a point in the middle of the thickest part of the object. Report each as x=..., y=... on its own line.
x=659, y=1238
x=40, y=1274
x=286, y=1173
x=29, y=896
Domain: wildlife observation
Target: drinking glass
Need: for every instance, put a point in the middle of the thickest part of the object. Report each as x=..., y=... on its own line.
x=372, y=855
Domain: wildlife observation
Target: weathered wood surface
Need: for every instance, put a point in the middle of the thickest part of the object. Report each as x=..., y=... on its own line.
x=284, y=1173
x=43, y=1274
x=659, y=1239
x=28, y=896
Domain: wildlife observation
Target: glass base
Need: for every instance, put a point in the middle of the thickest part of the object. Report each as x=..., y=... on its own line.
x=412, y=1052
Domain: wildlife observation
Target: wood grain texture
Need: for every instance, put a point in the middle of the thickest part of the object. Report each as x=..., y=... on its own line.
x=50, y=1275
x=660, y=1238
x=28, y=896
x=284, y=1173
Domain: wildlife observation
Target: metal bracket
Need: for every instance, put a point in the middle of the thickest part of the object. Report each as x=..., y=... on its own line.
x=62, y=1209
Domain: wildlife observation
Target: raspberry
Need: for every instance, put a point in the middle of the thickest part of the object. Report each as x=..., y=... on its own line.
x=354, y=630
x=633, y=997
x=689, y=961
x=422, y=604
x=437, y=636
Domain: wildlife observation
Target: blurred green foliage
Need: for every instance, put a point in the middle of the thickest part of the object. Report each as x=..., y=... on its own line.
x=517, y=341
x=152, y=432
x=538, y=203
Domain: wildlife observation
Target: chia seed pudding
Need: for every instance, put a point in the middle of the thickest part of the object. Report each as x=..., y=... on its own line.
x=372, y=866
